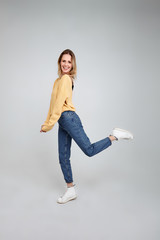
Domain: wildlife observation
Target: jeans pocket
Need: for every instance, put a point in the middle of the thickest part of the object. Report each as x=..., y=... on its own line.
x=65, y=117
x=70, y=113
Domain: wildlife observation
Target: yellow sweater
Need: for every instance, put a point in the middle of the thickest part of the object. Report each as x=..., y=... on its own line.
x=61, y=100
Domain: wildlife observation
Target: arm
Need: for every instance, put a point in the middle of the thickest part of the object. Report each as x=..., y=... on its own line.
x=48, y=115
x=49, y=111
x=64, y=89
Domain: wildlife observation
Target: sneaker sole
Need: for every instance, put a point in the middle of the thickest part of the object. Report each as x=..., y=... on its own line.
x=122, y=130
x=70, y=199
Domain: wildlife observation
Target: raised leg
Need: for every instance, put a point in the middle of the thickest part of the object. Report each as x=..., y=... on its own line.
x=72, y=124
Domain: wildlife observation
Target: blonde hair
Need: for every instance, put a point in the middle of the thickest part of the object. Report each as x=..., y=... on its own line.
x=73, y=72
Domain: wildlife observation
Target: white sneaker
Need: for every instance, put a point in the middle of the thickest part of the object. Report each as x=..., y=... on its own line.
x=69, y=195
x=122, y=134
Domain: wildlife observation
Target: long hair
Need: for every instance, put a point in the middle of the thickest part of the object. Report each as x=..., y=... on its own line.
x=73, y=72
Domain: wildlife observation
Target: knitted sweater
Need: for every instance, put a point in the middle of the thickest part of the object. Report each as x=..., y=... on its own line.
x=61, y=100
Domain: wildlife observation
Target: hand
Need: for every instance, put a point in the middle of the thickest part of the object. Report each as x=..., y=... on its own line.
x=41, y=129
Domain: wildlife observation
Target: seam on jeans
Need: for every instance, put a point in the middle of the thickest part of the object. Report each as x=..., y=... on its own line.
x=65, y=155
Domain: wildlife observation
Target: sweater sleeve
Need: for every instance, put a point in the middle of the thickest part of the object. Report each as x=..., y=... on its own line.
x=48, y=115
x=64, y=89
x=49, y=111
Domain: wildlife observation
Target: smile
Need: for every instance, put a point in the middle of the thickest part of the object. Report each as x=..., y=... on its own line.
x=65, y=68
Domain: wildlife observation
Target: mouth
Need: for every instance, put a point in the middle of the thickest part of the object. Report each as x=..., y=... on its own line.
x=66, y=69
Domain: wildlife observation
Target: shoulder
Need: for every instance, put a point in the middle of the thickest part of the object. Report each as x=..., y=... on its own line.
x=65, y=76
x=66, y=79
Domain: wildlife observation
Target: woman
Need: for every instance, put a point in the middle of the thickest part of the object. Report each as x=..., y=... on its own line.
x=70, y=126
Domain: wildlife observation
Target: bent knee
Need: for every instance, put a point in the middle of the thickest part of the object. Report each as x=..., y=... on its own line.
x=88, y=152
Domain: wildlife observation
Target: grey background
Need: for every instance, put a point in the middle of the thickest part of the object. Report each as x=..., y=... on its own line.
x=116, y=44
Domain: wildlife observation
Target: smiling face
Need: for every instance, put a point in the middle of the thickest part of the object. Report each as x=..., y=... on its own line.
x=66, y=63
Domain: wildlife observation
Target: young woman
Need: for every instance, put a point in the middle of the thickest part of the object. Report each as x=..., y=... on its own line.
x=70, y=126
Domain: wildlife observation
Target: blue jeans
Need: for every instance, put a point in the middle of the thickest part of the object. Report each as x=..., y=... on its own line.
x=70, y=126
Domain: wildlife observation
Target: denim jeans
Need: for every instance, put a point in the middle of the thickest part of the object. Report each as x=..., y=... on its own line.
x=70, y=126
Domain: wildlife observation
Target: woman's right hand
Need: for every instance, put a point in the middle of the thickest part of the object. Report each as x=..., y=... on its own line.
x=41, y=129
